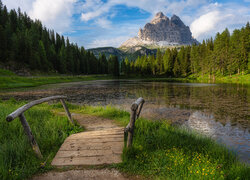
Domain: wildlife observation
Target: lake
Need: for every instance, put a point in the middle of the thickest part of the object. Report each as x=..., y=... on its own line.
x=220, y=111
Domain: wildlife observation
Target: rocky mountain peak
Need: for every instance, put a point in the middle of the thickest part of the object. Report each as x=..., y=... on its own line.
x=159, y=14
x=158, y=18
x=177, y=21
x=162, y=31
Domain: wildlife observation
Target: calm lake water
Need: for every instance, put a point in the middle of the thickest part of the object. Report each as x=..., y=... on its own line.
x=217, y=110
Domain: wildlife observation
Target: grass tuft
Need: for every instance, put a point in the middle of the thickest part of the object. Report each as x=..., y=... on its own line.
x=17, y=159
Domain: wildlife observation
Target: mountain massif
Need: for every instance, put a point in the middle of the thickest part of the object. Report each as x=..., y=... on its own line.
x=162, y=31
x=159, y=33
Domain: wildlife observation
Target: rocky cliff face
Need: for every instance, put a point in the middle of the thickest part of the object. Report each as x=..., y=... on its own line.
x=162, y=31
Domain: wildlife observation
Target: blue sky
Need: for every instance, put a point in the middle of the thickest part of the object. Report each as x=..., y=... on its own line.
x=97, y=23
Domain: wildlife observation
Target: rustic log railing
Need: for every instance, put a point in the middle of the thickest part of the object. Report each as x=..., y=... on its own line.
x=136, y=108
x=20, y=113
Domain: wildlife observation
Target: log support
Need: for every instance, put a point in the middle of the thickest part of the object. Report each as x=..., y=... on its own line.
x=67, y=111
x=20, y=113
x=30, y=136
x=129, y=130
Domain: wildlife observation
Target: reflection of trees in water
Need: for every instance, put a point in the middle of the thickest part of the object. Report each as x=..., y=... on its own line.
x=227, y=103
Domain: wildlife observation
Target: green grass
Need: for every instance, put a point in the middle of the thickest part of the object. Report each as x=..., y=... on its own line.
x=17, y=159
x=4, y=72
x=235, y=79
x=239, y=79
x=161, y=151
x=8, y=82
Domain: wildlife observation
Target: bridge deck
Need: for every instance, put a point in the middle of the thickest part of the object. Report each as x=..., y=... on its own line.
x=102, y=143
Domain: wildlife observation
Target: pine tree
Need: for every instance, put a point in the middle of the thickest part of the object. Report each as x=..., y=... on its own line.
x=43, y=57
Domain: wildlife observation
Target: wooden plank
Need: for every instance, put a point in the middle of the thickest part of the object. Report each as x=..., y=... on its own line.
x=98, y=133
x=91, y=146
x=87, y=153
x=88, y=137
x=76, y=161
x=98, y=140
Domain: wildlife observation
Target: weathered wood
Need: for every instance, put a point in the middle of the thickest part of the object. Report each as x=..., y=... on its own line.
x=19, y=113
x=126, y=129
x=140, y=108
x=22, y=109
x=67, y=111
x=30, y=136
x=137, y=103
x=131, y=127
x=133, y=116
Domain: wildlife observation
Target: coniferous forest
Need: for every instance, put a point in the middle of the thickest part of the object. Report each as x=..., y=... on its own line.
x=225, y=55
x=27, y=43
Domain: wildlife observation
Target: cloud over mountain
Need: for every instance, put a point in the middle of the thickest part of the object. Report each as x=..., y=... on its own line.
x=75, y=18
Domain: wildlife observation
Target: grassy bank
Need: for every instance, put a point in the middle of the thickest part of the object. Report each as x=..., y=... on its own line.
x=17, y=159
x=161, y=151
x=7, y=82
x=235, y=79
x=240, y=79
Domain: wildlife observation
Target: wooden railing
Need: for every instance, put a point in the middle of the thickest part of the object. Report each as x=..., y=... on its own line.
x=20, y=113
x=136, y=108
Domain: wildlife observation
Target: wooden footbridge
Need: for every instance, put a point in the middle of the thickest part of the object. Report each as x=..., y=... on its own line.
x=101, y=143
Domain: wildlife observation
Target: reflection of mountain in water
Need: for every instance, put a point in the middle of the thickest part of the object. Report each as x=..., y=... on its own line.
x=233, y=136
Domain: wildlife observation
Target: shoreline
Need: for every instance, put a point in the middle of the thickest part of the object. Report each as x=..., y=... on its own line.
x=15, y=82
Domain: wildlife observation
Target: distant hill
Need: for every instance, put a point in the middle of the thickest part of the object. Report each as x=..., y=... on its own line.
x=108, y=51
x=131, y=53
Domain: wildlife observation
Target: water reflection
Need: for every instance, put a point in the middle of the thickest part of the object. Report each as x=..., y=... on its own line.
x=235, y=137
x=221, y=111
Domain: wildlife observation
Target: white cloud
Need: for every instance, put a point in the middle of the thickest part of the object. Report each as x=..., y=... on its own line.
x=104, y=23
x=97, y=8
x=54, y=14
x=25, y=5
x=216, y=17
x=205, y=18
x=205, y=23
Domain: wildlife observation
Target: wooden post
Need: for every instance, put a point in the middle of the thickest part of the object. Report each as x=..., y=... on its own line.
x=31, y=138
x=137, y=116
x=131, y=125
x=67, y=111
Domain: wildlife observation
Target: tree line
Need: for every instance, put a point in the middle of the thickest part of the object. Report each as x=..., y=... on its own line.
x=225, y=55
x=27, y=43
